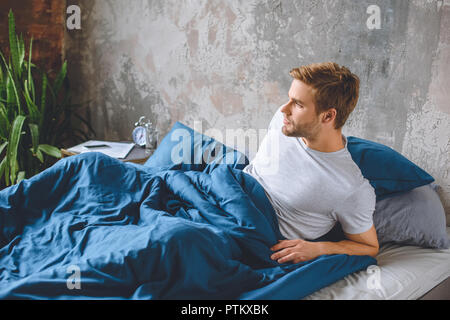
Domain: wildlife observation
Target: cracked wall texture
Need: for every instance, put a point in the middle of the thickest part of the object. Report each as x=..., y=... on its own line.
x=225, y=64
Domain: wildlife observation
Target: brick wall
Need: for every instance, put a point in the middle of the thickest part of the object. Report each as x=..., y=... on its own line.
x=43, y=20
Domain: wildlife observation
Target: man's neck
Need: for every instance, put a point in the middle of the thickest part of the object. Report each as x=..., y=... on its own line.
x=327, y=142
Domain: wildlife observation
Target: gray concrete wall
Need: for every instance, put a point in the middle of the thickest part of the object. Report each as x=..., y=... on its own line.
x=224, y=65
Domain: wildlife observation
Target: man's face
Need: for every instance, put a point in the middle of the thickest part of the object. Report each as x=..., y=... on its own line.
x=300, y=118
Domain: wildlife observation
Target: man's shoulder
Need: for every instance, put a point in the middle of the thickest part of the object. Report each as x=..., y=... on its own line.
x=354, y=185
x=348, y=170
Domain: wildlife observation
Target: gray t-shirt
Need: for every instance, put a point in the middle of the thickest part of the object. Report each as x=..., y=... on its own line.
x=311, y=190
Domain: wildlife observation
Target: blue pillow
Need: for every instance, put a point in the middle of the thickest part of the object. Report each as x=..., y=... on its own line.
x=389, y=172
x=191, y=150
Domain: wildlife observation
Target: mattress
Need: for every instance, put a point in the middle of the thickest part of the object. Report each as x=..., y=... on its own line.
x=402, y=273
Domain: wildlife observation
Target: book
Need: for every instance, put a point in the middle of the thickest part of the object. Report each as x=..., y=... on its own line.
x=118, y=150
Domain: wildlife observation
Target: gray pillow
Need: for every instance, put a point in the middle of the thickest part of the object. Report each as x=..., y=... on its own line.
x=416, y=217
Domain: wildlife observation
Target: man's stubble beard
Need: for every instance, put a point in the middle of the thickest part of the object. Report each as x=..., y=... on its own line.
x=308, y=131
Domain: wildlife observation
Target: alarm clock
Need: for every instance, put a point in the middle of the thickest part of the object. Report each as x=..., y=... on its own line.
x=139, y=134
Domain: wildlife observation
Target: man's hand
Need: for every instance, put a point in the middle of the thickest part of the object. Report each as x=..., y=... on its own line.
x=295, y=250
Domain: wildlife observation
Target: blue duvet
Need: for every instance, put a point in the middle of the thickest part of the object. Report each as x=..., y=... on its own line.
x=92, y=227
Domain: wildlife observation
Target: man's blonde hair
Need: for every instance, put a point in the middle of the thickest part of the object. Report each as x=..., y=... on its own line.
x=334, y=86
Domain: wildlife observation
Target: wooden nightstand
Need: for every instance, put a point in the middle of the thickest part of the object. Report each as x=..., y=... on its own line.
x=136, y=155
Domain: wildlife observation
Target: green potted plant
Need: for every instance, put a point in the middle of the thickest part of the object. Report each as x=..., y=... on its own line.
x=36, y=114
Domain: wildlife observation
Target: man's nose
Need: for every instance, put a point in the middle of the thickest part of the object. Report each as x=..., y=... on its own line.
x=286, y=108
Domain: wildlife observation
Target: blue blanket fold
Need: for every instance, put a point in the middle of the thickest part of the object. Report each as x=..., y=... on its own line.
x=125, y=231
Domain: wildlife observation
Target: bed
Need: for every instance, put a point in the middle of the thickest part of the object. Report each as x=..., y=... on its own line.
x=405, y=273
x=93, y=227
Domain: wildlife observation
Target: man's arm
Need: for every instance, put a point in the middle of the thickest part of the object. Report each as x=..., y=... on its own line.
x=356, y=244
x=298, y=250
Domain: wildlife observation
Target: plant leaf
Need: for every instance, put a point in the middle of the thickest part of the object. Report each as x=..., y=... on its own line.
x=20, y=176
x=5, y=126
x=35, y=115
x=2, y=82
x=6, y=171
x=39, y=155
x=60, y=78
x=13, y=45
x=14, y=139
x=10, y=97
x=13, y=172
x=44, y=92
x=11, y=90
x=50, y=150
x=2, y=147
x=34, y=129
x=30, y=79
x=43, y=124
x=2, y=166
x=21, y=51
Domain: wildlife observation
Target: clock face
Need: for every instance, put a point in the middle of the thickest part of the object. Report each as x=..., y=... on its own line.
x=139, y=136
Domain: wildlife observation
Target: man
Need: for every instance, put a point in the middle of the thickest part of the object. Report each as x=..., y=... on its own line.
x=316, y=183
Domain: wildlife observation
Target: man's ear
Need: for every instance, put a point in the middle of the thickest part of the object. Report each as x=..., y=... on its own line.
x=329, y=115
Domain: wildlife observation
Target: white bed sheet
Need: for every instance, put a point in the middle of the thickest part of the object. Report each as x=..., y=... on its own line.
x=405, y=273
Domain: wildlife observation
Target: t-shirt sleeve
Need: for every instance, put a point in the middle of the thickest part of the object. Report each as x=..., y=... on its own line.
x=356, y=212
